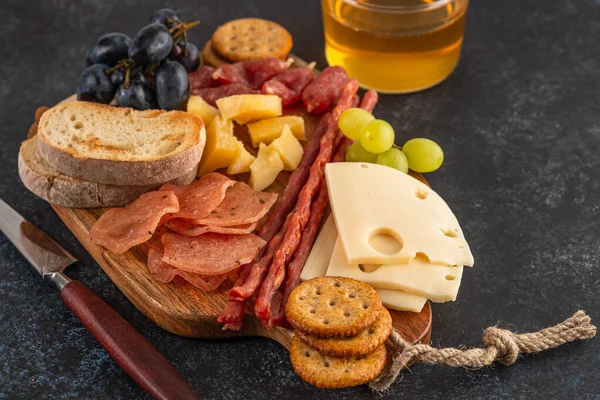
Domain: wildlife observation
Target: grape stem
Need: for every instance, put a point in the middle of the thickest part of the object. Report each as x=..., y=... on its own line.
x=180, y=30
x=121, y=64
x=395, y=146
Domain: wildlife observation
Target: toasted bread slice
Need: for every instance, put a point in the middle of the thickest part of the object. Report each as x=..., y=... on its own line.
x=51, y=185
x=120, y=146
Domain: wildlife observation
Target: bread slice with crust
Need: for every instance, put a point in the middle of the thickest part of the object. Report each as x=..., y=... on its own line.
x=120, y=146
x=51, y=185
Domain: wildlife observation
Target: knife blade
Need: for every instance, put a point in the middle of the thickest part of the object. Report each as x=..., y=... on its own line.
x=134, y=354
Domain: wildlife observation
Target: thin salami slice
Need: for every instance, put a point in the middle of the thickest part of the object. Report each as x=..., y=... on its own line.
x=202, y=78
x=291, y=240
x=320, y=95
x=289, y=84
x=186, y=228
x=165, y=273
x=250, y=73
x=212, y=94
x=241, y=205
x=200, y=197
x=119, y=229
x=211, y=253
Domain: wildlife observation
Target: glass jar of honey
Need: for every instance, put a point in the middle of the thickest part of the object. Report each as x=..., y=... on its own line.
x=394, y=46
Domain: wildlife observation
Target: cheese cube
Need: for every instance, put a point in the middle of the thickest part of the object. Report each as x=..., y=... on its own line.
x=265, y=168
x=241, y=160
x=267, y=130
x=220, y=146
x=245, y=108
x=289, y=148
x=201, y=108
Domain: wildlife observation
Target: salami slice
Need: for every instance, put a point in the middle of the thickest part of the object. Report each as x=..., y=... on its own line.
x=320, y=95
x=202, y=78
x=212, y=94
x=186, y=228
x=241, y=205
x=165, y=273
x=119, y=229
x=200, y=197
x=211, y=253
x=289, y=84
x=250, y=73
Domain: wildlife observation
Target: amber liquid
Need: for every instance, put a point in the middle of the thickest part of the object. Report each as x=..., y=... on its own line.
x=393, y=52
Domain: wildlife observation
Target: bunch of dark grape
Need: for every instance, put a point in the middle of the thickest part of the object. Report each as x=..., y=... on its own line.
x=148, y=71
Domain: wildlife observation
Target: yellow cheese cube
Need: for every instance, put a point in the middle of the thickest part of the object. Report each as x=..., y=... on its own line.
x=289, y=149
x=201, y=108
x=241, y=160
x=267, y=130
x=244, y=108
x=220, y=146
x=265, y=168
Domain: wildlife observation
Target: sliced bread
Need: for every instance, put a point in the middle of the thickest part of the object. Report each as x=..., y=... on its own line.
x=51, y=185
x=120, y=146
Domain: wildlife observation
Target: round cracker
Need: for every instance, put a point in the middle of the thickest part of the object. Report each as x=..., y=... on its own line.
x=251, y=39
x=210, y=57
x=363, y=343
x=333, y=306
x=329, y=372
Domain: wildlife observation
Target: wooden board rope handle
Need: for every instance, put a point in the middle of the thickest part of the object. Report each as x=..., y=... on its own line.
x=499, y=344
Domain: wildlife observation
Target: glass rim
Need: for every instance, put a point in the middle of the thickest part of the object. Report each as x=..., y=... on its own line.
x=400, y=9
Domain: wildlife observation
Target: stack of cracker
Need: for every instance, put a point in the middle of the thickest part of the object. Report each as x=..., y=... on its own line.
x=247, y=39
x=340, y=330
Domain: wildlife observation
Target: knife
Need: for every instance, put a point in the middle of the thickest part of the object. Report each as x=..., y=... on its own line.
x=140, y=360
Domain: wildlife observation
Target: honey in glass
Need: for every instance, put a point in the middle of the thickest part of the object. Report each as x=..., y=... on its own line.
x=394, y=46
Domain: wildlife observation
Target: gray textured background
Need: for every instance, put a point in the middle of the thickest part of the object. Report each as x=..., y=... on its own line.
x=520, y=125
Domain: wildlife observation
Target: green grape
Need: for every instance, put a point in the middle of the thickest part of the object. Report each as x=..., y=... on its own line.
x=423, y=155
x=393, y=158
x=356, y=153
x=352, y=121
x=377, y=136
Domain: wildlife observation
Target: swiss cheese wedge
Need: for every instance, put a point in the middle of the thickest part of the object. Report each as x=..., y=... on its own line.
x=318, y=262
x=438, y=283
x=372, y=202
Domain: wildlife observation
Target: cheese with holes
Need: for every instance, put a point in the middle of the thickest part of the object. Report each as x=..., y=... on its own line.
x=371, y=201
x=438, y=283
x=318, y=262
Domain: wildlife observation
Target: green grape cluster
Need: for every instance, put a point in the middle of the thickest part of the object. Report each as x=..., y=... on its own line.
x=374, y=143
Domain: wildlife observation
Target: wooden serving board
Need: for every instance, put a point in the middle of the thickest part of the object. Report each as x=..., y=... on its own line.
x=185, y=310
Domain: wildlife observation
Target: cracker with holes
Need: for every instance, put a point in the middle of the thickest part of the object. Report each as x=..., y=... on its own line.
x=333, y=306
x=363, y=343
x=330, y=372
x=251, y=39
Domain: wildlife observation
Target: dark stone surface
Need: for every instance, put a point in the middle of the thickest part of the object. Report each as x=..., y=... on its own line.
x=520, y=125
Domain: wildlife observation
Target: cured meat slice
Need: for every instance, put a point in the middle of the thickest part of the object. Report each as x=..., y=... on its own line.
x=250, y=73
x=241, y=205
x=186, y=228
x=163, y=272
x=202, y=78
x=211, y=253
x=212, y=94
x=119, y=229
x=289, y=84
x=200, y=197
x=298, y=221
x=323, y=92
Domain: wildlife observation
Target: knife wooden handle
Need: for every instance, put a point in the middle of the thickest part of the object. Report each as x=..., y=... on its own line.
x=138, y=358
